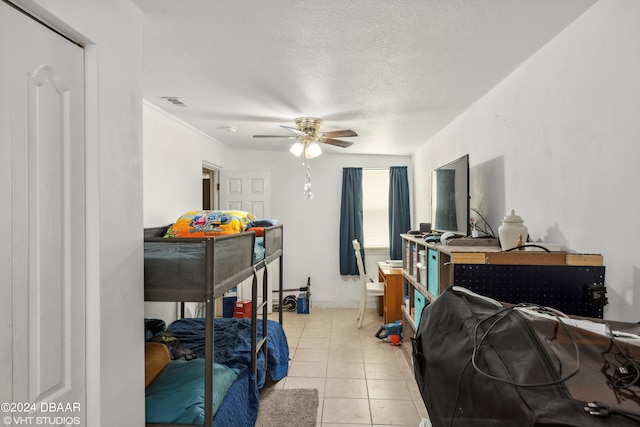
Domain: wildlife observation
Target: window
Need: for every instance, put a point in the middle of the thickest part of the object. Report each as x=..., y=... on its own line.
x=375, y=208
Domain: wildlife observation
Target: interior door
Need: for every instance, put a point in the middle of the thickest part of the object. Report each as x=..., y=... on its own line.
x=42, y=249
x=249, y=191
x=246, y=191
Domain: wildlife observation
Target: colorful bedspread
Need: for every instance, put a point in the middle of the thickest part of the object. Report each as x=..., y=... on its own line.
x=210, y=223
x=219, y=223
x=232, y=344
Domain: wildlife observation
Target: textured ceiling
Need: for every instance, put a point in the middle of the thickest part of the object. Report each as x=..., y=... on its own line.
x=396, y=72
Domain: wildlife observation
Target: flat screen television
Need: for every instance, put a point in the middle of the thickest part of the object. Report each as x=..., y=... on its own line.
x=450, y=197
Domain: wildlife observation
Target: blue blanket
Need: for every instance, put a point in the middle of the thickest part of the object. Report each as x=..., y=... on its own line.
x=240, y=406
x=232, y=344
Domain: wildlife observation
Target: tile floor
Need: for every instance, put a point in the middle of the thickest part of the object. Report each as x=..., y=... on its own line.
x=361, y=380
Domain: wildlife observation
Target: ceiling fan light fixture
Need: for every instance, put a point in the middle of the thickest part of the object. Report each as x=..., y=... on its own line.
x=297, y=148
x=308, y=137
x=312, y=150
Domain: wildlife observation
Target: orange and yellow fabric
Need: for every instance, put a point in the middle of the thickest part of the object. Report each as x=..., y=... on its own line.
x=210, y=223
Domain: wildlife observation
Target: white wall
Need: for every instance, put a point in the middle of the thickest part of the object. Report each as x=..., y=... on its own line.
x=558, y=141
x=173, y=156
x=113, y=61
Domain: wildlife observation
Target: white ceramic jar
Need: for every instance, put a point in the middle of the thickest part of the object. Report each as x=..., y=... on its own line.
x=512, y=232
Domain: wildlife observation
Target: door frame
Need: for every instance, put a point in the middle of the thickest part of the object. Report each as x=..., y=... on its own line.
x=214, y=191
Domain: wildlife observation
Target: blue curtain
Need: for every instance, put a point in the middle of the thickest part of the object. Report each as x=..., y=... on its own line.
x=350, y=219
x=399, y=218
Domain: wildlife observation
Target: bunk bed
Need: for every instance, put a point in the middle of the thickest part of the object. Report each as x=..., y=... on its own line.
x=203, y=269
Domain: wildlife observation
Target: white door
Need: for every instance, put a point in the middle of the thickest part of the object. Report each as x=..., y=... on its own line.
x=42, y=249
x=246, y=191
x=251, y=192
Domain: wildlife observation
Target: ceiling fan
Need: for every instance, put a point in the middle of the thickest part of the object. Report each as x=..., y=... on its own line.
x=308, y=135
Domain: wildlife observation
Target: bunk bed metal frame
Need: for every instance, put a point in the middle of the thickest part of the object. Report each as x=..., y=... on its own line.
x=203, y=269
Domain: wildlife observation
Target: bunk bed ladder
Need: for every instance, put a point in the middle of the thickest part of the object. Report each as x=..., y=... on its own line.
x=255, y=308
x=210, y=312
x=280, y=287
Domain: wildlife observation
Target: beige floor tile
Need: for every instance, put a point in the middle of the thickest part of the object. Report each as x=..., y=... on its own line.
x=393, y=425
x=311, y=355
x=290, y=320
x=346, y=355
x=352, y=348
x=292, y=354
x=379, y=355
x=347, y=336
x=316, y=332
x=340, y=410
x=389, y=389
x=336, y=369
x=337, y=342
x=292, y=330
x=308, y=369
x=346, y=387
x=383, y=371
x=394, y=412
x=345, y=425
x=318, y=321
x=313, y=342
x=344, y=313
x=347, y=325
x=417, y=399
x=361, y=381
x=293, y=342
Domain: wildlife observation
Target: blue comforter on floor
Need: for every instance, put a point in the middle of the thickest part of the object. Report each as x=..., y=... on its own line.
x=232, y=344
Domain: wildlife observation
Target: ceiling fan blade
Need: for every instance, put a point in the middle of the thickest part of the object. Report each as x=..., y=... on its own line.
x=337, y=142
x=339, y=133
x=276, y=136
x=296, y=130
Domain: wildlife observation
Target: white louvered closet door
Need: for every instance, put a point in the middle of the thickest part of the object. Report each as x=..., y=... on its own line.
x=42, y=215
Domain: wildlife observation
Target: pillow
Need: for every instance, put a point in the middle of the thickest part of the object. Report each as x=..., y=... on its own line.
x=176, y=396
x=209, y=223
x=156, y=357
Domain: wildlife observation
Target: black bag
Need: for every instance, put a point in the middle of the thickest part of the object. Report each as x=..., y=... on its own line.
x=481, y=364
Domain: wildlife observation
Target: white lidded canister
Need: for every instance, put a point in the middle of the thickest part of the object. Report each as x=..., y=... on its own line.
x=512, y=232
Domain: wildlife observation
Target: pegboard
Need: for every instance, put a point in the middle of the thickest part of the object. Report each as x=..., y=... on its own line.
x=557, y=286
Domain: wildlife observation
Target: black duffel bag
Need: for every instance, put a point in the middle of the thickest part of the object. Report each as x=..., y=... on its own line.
x=481, y=363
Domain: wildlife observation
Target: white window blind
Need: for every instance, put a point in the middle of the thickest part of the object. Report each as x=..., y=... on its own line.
x=375, y=208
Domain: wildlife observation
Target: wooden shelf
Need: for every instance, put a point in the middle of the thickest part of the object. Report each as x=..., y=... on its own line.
x=480, y=266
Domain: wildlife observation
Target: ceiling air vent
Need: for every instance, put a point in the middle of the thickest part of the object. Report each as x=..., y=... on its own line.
x=174, y=100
